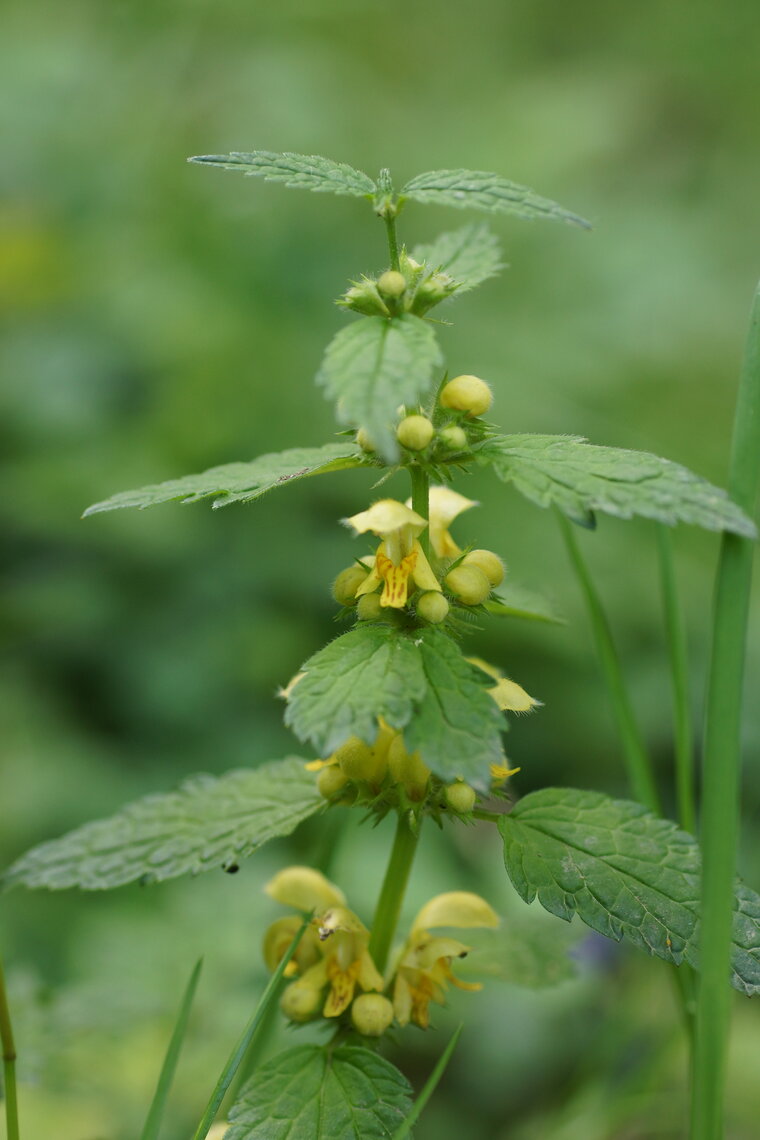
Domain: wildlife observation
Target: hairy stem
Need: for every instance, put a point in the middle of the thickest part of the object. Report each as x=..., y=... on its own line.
x=638, y=763
x=390, y=228
x=679, y=672
x=9, y=1063
x=421, y=502
x=722, y=758
x=392, y=892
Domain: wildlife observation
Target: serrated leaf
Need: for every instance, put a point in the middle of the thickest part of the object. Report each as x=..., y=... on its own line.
x=208, y=823
x=370, y=672
x=373, y=366
x=315, y=1093
x=481, y=190
x=517, y=601
x=580, y=478
x=240, y=482
x=457, y=723
x=625, y=872
x=303, y=171
x=470, y=255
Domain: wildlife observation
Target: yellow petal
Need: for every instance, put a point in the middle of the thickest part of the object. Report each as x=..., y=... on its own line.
x=511, y=697
x=369, y=976
x=317, y=765
x=500, y=772
x=432, y=950
x=286, y=692
x=304, y=889
x=396, y=578
x=386, y=517
x=445, y=506
x=422, y=573
x=456, y=908
x=340, y=918
x=402, y=1000
x=342, y=986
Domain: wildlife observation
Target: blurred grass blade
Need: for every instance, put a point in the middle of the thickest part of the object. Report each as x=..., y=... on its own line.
x=430, y=1086
x=155, y=1115
x=245, y=1039
x=9, y=1063
x=721, y=771
x=638, y=763
x=679, y=671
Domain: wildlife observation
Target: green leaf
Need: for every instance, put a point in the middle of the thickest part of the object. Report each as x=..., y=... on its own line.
x=457, y=724
x=304, y=171
x=625, y=872
x=240, y=482
x=370, y=672
x=480, y=190
x=152, y=1125
x=580, y=478
x=513, y=600
x=470, y=255
x=209, y=822
x=374, y=365
x=315, y=1093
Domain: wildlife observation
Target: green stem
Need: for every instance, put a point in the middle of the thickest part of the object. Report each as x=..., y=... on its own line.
x=390, y=228
x=679, y=670
x=392, y=892
x=638, y=764
x=421, y=501
x=9, y=1063
x=722, y=758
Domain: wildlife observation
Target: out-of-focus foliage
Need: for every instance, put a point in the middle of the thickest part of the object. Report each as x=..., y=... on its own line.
x=160, y=319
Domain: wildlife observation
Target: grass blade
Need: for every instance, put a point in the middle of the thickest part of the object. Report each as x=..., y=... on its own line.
x=9, y=1063
x=156, y=1112
x=638, y=763
x=722, y=757
x=239, y=1052
x=430, y=1086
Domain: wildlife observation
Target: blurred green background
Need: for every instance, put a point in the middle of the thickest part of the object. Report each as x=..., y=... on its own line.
x=160, y=318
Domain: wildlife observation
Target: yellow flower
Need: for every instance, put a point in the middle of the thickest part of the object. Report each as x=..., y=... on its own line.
x=335, y=956
x=445, y=506
x=509, y=696
x=399, y=556
x=423, y=973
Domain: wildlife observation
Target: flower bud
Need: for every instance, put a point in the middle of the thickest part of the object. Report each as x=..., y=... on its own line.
x=454, y=437
x=432, y=291
x=364, y=297
x=467, y=394
x=392, y=283
x=408, y=769
x=369, y=608
x=371, y=1014
x=360, y=762
x=331, y=780
x=432, y=607
x=469, y=584
x=415, y=432
x=301, y=1002
x=490, y=563
x=461, y=797
x=347, y=583
x=364, y=441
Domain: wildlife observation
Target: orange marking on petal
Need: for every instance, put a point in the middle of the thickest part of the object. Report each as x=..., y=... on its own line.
x=396, y=579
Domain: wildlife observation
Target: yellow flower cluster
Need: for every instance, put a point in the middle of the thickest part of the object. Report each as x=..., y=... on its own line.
x=333, y=970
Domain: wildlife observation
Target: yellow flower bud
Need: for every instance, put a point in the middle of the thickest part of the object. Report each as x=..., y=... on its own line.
x=347, y=583
x=369, y=608
x=469, y=584
x=490, y=563
x=392, y=283
x=415, y=432
x=301, y=1002
x=407, y=769
x=467, y=394
x=330, y=781
x=432, y=607
x=371, y=1014
x=364, y=441
x=360, y=762
x=454, y=437
x=461, y=797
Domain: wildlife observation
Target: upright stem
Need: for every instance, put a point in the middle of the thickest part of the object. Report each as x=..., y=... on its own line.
x=9, y=1063
x=638, y=764
x=722, y=758
x=392, y=892
x=390, y=228
x=679, y=671
x=421, y=502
